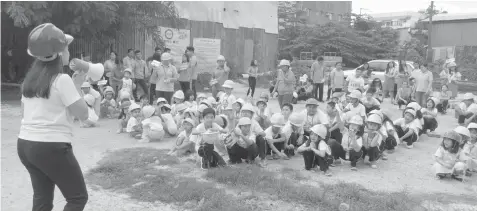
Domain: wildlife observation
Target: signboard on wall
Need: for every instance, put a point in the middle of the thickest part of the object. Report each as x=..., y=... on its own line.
x=207, y=50
x=177, y=40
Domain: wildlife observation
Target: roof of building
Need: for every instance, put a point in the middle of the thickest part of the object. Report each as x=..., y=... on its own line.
x=232, y=14
x=453, y=17
x=393, y=15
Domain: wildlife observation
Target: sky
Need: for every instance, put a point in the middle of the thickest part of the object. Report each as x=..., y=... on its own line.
x=389, y=6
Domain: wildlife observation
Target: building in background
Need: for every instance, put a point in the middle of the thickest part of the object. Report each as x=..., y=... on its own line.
x=322, y=12
x=453, y=36
x=401, y=21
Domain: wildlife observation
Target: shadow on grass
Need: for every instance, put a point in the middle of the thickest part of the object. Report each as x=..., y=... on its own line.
x=328, y=197
x=142, y=173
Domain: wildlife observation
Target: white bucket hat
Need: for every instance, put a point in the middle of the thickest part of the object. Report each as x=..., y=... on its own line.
x=320, y=130
x=277, y=120
x=220, y=58
x=166, y=56
x=148, y=111
x=355, y=94
x=469, y=96
x=284, y=62
x=228, y=84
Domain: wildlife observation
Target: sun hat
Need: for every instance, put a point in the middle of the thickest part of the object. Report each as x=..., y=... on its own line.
x=469, y=96
x=166, y=56
x=85, y=85
x=211, y=101
x=284, y=62
x=472, y=126
x=311, y=101
x=260, y=100
x=134, y=106
x=160, y=100
x=46, y=41
x=452, y=135
x=191, y=111
x=166, y=106
x=201, y=108
x=148, y=111
x=377, y=112
x=264, y=96
x=296, y=119
x=190, y=121
x=411, y=111
x=179, y=94
x=124, y=95
x=277, y=120
x=357, y=120
x=228, y=84
x=220, y=58
x=320, y=130
x=244, y=121
x=181, y=107
x=239, y=100
x=125, y=104
x=356, y=94
x=219, y=120
x=108, y=89
x=208, y=111
x=462, y=131
x=451, y=64
x=205, y=102
x=414, y=106
x=375, y=119
x=201, y=95
x=434, y=100
x=337, y=94
x=248, y=107
x=89, y=99
x=128, y=70
x=295, y=94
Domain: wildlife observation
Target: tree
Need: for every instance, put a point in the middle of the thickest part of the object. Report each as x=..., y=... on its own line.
x=414, y=50
x=355, y=46
x=101, y=20
x=290, y=22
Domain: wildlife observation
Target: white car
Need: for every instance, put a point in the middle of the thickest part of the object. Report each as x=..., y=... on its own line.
x=378, y=67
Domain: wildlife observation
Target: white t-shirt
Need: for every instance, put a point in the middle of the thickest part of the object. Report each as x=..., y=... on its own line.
x=288, y=130
x=269, y=133
x=48, y=120
x=346, y=142
x=131, y=123
x=319, y=118
x=359, y=110
x=127, y=85
x=255, y=128
x=322, y=146
x=472, y=108
x=402, y=123
x=354, y=83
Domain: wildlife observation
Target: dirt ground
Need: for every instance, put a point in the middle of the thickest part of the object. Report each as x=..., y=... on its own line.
x=406, y=169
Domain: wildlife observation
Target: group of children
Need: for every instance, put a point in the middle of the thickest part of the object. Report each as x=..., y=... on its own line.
x=351, y=128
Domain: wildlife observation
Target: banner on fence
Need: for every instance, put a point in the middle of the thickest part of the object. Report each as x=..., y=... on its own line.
x=207, y=50
x=177, y=40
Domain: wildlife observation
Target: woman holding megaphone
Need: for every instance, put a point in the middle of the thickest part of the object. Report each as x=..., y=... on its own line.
x=50, y=101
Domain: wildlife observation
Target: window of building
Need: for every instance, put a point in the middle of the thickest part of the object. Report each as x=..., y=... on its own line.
x=329, y=16
x=397, y=23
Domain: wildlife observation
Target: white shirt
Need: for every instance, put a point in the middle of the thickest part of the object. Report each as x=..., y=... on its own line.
x=472, y=108
x=127, y=85
x=92, y=115
x=48, y=120
x=319, y=118
x=288, y=130
x=359, y=110
x=346, y=142
x=402, y=123
x=354, y=83
x=322, y=146
x=131, y=123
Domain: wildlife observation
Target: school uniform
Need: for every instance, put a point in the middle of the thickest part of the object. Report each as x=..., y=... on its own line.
x=402, y=128
x=262, y=144
x=346, y=150
x=336, y=134
x=428, y=119
x=354, y=83
x=444, y=101
x=312, y=160
x=152, y=129
x=371, y=148
x=169, y=124
x=238, y=149
x=359, y=110
x=209, y=157
x=390, y=139
x=370, y=104
x=270, y=135
x=472, y=108
x=133, y=127
x=448, y=157
x=292, y=137
x=469, y=154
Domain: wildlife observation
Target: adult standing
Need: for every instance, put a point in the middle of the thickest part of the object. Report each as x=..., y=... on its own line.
x=219, y=75
x=252, y=77
x=318, y=77
x=113, y=66
x=165, y=74
x=389, y=80
x=129, y=61
x=424, y=80
x=193, y=69
x=184, y=73
x=152, y=88
x=453, y=78
x=139, y=73
x=401, y=75
x=157, y=50
x=50, y=100
x=285, y=84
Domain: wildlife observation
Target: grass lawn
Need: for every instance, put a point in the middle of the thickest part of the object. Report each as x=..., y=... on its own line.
x=150, y=175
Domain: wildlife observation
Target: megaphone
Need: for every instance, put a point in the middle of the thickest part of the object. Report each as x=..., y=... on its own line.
x=94, y=71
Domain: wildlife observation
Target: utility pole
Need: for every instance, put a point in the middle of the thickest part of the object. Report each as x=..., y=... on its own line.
x=429, y=33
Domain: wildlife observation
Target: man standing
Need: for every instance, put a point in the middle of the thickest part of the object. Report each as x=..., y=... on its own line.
x=129, y=61
x=318, y=77
x=139, y=73
x=285, y=84
x=156, y=50
x=193, y=69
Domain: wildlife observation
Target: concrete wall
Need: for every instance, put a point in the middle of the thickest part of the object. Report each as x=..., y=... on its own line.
x=454, y=33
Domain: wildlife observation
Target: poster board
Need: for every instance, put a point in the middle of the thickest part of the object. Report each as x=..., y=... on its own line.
x=207, y=50
x=177, y=40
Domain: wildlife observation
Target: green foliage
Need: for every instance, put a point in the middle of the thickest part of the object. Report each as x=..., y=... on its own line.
x=355, y=46
x=95, y=19
x=414, y=50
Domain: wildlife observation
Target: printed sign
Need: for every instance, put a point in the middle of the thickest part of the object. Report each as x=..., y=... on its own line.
x=207, y=50
x=177, y=40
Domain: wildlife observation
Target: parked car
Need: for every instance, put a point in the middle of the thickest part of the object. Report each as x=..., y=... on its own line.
x=378, y=67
